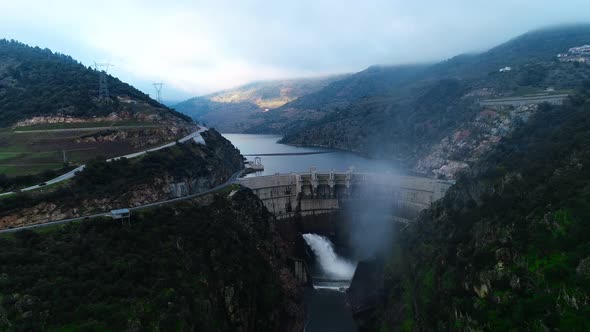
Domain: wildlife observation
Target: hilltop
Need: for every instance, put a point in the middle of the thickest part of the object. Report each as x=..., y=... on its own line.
x=239, y=109
x=50, y=113
x=37, y=82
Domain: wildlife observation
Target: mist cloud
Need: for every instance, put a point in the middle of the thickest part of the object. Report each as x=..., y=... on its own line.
x=197, y=47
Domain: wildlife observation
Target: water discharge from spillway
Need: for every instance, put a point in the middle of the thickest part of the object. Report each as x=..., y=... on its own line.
x=333, y=265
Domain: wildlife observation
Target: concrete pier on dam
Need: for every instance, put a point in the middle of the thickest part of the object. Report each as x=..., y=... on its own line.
x=315, y=193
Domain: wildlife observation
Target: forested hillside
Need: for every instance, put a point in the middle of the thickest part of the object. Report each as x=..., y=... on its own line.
x=39, y=82
x=183, y=268
x=508, y=246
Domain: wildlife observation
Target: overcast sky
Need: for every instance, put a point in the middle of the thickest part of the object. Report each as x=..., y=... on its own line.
x=201, y=46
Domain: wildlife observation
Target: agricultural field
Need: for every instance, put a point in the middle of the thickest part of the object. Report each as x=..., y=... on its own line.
x=34, y=149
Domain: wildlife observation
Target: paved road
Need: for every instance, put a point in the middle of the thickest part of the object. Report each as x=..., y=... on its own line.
x=195, y=136
x=82, y=129
x=230, y=181
x=286, y=154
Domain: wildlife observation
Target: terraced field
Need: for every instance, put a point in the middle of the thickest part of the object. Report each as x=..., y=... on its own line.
x=33, y=149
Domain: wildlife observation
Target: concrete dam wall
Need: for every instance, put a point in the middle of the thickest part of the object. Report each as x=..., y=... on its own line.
x=312, y=193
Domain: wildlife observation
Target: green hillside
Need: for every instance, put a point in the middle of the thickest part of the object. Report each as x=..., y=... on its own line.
x=507, y=248
x=39, y=82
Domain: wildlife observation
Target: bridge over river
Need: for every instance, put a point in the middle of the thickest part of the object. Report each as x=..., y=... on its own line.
x=313, y=192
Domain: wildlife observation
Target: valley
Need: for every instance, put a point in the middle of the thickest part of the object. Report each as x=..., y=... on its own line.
x=237, y=110
x=442, y=196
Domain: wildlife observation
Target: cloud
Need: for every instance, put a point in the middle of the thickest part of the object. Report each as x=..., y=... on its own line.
x=201, y=46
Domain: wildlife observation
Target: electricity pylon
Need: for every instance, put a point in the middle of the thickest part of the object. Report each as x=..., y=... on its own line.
x=103, y=89
x=158, y=87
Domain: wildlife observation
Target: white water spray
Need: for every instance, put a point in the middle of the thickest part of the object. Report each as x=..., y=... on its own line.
x=333, y=265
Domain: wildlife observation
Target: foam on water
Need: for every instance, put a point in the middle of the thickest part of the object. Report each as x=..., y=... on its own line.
x=332, y=264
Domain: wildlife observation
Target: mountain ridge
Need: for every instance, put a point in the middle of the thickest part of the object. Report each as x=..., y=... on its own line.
x=39, y=82
x=408, y=122
x=237, y=109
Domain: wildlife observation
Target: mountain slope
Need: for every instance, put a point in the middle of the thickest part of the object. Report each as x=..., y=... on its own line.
x=185, y=267
x=507, y=247
x=238, y=109
x=534, y=46
x=441, y=102
x=37, y=82
x=50, y=114
x=374, y=81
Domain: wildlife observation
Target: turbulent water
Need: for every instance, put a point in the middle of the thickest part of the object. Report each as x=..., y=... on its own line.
x=334, y=266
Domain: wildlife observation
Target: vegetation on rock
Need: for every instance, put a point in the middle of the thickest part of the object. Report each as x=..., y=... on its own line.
x=508, y=246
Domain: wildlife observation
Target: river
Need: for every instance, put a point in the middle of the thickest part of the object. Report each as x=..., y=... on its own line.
x=326, y=307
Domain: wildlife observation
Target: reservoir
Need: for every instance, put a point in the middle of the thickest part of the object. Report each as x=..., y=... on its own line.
x=327, y=159
x=326, y=302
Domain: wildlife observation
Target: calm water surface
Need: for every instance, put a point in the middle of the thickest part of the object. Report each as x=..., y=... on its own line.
x=335, y=159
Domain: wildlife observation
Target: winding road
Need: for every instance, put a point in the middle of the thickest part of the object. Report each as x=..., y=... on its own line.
x=196, y=136
x=230, y=181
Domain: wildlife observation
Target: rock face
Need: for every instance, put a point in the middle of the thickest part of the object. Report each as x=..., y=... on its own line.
x=139, y=138
x=469, y=143
x=170, y=173
x=157, y=116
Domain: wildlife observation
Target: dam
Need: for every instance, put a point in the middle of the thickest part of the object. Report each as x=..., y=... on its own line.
x=325, y=216
x=313, y=192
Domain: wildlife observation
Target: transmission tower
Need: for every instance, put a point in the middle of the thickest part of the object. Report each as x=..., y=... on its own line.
x=103, y=89
x=158, y=87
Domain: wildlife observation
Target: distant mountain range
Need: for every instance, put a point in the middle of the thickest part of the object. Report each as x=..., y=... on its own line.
x=297, y=104
x=403, y=112
x=241, y=108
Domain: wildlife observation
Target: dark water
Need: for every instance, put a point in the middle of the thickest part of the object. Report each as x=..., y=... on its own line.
x=337, y=160
x=326, y=308
x=327, y=312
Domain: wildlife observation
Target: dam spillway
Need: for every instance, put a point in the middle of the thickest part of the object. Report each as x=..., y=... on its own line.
x=313, y=192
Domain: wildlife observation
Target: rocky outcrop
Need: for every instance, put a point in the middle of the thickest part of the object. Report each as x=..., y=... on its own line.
x=139, y=138
x=466, y=145
x=157, y=116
